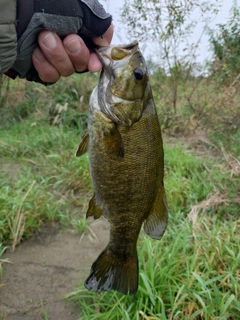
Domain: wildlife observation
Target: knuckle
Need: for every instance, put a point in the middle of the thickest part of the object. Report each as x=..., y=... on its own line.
x=49, y=76
x=67, y=72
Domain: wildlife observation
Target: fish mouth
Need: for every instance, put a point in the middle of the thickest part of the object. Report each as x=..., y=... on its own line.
x=108, y=54
x=116, y=62
x=128, y=46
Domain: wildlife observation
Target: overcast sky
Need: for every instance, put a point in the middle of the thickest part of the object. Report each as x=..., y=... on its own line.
x=113, y=7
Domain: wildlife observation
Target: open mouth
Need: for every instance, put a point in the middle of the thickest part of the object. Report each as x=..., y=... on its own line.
x=114, y=53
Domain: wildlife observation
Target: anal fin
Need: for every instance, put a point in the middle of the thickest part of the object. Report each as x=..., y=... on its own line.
x=156, y=222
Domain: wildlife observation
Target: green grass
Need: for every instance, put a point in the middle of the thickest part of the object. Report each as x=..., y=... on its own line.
x=192, y=273
x=40, y=179
x=44, y=312
x=190, y=179
x=21, y=100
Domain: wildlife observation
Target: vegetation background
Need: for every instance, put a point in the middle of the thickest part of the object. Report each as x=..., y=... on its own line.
x=194, y=272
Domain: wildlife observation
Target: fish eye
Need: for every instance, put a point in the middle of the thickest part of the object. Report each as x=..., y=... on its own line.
x=138, y=73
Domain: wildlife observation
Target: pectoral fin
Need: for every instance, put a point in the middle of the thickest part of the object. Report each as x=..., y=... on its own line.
x=156, y=222
x=83, y=144
x=113, y=144
x=128, y=113
x=93, y=209
x=122, y=116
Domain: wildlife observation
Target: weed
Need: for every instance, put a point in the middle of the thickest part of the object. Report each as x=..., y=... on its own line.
x=2, y=250
x=80, y=225
x=44, y=312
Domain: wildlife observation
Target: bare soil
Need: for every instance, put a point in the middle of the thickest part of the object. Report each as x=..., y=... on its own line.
x=43, y=269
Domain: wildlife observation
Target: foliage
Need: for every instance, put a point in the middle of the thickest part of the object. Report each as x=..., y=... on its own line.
x=203, y=105
x=65, y=102
x=225, y=42
x=161, y=20
x=187, y=96
x=170, y=26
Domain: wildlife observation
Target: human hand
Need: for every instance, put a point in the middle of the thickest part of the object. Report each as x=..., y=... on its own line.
x=67, y=19
x=55, y=58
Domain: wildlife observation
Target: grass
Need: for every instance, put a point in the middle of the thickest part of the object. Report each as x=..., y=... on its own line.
x=40, y=179
x=193, y=272
x=191, y=180
x=2, y=250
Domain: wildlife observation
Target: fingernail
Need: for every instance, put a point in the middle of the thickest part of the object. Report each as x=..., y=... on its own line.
x=73, y=47
x=50, y=41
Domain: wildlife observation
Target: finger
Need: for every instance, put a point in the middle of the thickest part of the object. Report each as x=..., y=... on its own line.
x=94, y=64
x=77, y=51
x=46, y=71
x=54, y=51
x=106, y=38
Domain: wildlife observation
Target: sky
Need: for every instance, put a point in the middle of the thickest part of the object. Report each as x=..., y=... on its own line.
x=120, y=36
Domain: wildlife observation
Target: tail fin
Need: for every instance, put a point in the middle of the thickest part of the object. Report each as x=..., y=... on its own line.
x=110, y=273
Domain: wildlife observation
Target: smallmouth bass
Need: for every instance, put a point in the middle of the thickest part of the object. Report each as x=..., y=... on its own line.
x=126, y=160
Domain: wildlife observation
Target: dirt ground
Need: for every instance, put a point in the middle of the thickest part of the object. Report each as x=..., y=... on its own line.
x=44, y=269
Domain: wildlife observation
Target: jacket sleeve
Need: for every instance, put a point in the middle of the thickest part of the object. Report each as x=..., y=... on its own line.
x=8, y=37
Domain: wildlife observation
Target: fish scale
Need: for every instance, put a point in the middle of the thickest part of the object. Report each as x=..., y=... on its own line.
x=126, y=160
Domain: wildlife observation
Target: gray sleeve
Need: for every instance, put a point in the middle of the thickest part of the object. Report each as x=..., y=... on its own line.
x=8, y=37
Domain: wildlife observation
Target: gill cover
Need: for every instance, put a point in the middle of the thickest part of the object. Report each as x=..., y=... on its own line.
x=123, y=83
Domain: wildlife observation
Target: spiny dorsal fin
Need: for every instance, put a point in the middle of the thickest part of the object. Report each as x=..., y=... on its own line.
x=93, y=209
x=156, y=222
x=83, y=146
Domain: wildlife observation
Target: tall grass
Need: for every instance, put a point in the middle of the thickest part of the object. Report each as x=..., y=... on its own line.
x=193, y=273
x=40, y=179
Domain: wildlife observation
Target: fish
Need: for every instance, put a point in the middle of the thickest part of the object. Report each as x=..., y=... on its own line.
x=126, y=159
